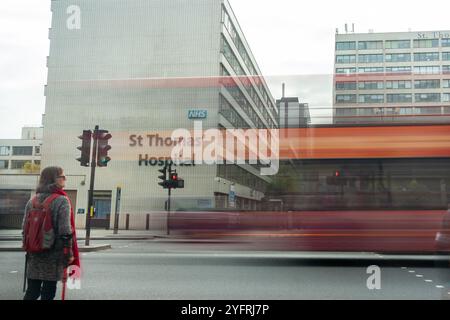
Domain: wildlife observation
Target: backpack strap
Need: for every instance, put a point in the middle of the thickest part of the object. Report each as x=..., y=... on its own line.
x=35, y=203
x=48, y=201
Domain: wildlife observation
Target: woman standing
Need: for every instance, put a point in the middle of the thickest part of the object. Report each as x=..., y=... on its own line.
x=45, y=269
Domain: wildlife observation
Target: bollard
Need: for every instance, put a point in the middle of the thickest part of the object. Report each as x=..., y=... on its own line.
x=147, y=223
x=127, y=223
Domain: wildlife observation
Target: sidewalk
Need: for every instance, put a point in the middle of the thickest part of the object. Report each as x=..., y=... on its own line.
x=96, y=234
x=15, y=235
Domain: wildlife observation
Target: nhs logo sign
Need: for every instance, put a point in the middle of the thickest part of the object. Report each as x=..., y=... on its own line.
x=197, y=114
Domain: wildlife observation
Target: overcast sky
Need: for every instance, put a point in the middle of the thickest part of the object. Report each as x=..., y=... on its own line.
x=292, y=40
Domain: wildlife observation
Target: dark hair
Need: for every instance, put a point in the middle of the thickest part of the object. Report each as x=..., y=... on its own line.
x=47, y=180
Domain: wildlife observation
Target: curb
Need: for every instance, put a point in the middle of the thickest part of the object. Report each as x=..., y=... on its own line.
x=93, y=248
x=92, y=238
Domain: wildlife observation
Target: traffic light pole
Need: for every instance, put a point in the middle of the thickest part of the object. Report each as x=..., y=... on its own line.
x=168, y=211
x=90, y=210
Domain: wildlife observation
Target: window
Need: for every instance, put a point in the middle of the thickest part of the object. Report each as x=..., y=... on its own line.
x=350, y=85
x=22, y=151
x=345, y=70
x=426, y=56
x=346, y=59
x=229, y=113
x=348, y=45
x=398, y=84
x=4, y=164
x=370, y=58
x=371, y=98
x=5, y=151
x=370, y=45
x=446, y=97
x=405, y=111
x=445, y=42
x=446, y=83
x=398, y=69
x=426, y=43
x=366, y=111
x=427, y=84
x=445, y=69
x=398, y=57
x=399, y=111
x=399, y=98
x=244, y=103
x=236, y=174
x=18, y=164
x=346, y=98
x=427, y=97
x=427, y=70
x=371, y=85
x=371, y=70
x=432, y=110
x=445, y=56
x=398, y=44
x=346, y=112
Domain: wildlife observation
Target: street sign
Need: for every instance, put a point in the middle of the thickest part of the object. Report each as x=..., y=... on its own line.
x=232, y=197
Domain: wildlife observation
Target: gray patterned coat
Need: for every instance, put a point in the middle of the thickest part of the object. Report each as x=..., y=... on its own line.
x=49, y=265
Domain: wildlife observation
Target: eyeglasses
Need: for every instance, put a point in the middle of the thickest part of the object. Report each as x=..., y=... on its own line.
x=61, y=177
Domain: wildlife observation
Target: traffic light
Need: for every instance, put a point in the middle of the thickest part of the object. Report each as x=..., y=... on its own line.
x=163, y=177
x=336, y=179
x=85, y=148
x=103, y=137
x=175, y=182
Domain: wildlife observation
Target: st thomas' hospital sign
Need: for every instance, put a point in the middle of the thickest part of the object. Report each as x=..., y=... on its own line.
x=210, y=147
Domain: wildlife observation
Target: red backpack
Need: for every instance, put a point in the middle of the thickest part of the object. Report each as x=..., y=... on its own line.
x=39, y=234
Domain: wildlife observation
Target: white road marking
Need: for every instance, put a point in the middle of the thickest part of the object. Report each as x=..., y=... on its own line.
x=440, y=287
x=404, y=268
x=419, y=276
x=428, y=280
x=14, y=271
x=411, y=271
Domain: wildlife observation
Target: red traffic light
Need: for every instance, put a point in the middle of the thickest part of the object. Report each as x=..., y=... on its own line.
x=337, y=174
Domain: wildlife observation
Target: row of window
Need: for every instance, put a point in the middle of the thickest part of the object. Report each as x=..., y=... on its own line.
x=395, y=57
x=392, y=98
x=246, y=58
x=346, y=112
x=16, y=164
x=236, y=174
x=229, y=113
x=394, y=84
x=399, y=69
x=19, y=151
x=243, y=102
x=391, y=44
x=234, y=62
